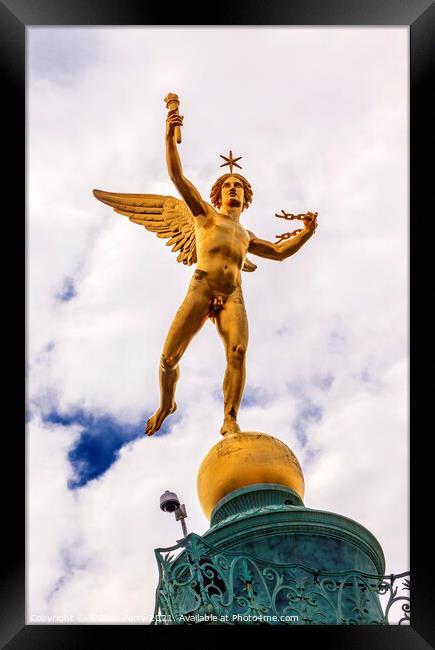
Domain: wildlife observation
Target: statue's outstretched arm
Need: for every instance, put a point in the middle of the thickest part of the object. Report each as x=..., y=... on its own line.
x=187, y=190
x=280, y=251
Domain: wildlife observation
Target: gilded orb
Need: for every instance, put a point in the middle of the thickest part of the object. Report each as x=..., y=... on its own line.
x=242, y=459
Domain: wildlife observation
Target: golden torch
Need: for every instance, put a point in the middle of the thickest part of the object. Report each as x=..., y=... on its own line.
x=172, y=103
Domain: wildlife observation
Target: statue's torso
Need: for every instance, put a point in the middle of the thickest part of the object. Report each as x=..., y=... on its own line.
x=221, y=247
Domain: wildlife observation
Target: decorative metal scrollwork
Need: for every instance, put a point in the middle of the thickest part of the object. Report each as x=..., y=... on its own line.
x=205, y=584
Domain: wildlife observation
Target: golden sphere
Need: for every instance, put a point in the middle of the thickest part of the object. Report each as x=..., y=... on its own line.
x=243, y=459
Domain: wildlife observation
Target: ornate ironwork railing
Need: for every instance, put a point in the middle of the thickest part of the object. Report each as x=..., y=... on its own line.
x=205, y=584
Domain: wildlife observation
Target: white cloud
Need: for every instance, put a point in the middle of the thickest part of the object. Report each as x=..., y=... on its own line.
x=320, y=118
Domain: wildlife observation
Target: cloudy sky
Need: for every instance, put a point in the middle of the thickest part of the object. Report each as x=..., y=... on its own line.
x=320, y=117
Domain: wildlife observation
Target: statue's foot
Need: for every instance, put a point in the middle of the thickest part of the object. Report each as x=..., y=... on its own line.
x=156, y=420
x=229, y=426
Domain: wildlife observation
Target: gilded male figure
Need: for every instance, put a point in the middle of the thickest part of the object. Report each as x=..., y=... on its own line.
x=212, y=236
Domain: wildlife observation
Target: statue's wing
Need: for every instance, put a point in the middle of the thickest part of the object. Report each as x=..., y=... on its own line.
x=168, y=217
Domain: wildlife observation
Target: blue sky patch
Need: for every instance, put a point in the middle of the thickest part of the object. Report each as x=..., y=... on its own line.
x=308, y=412
x=254, y=396
x=309, y=455
x=68, y=290
x=324, y=382
x=70, y=566
x=100, y=441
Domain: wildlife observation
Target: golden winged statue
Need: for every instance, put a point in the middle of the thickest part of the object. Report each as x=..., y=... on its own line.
x=211, y=236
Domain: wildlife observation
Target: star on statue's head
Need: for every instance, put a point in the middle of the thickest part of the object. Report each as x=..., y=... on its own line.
x=232, y=162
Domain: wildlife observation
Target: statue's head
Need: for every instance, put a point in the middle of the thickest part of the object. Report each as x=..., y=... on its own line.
x=232, y=190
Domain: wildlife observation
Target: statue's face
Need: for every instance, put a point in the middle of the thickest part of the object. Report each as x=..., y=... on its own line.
x=232, y=193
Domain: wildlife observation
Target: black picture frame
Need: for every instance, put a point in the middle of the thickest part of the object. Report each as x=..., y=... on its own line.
x=419, y=15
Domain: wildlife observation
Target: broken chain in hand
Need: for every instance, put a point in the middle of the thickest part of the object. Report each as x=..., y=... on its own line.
x=289, y=217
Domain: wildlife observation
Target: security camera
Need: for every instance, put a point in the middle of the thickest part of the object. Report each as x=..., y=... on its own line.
x=169, y=502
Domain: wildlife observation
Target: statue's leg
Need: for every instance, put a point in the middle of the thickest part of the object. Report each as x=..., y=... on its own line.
x=232, y=325
x=188, y=320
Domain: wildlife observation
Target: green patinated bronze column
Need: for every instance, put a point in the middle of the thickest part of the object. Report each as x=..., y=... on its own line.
x=266, y=558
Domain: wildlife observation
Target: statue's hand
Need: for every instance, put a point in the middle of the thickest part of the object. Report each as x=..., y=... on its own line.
x=173, y=120
x=310, y=221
